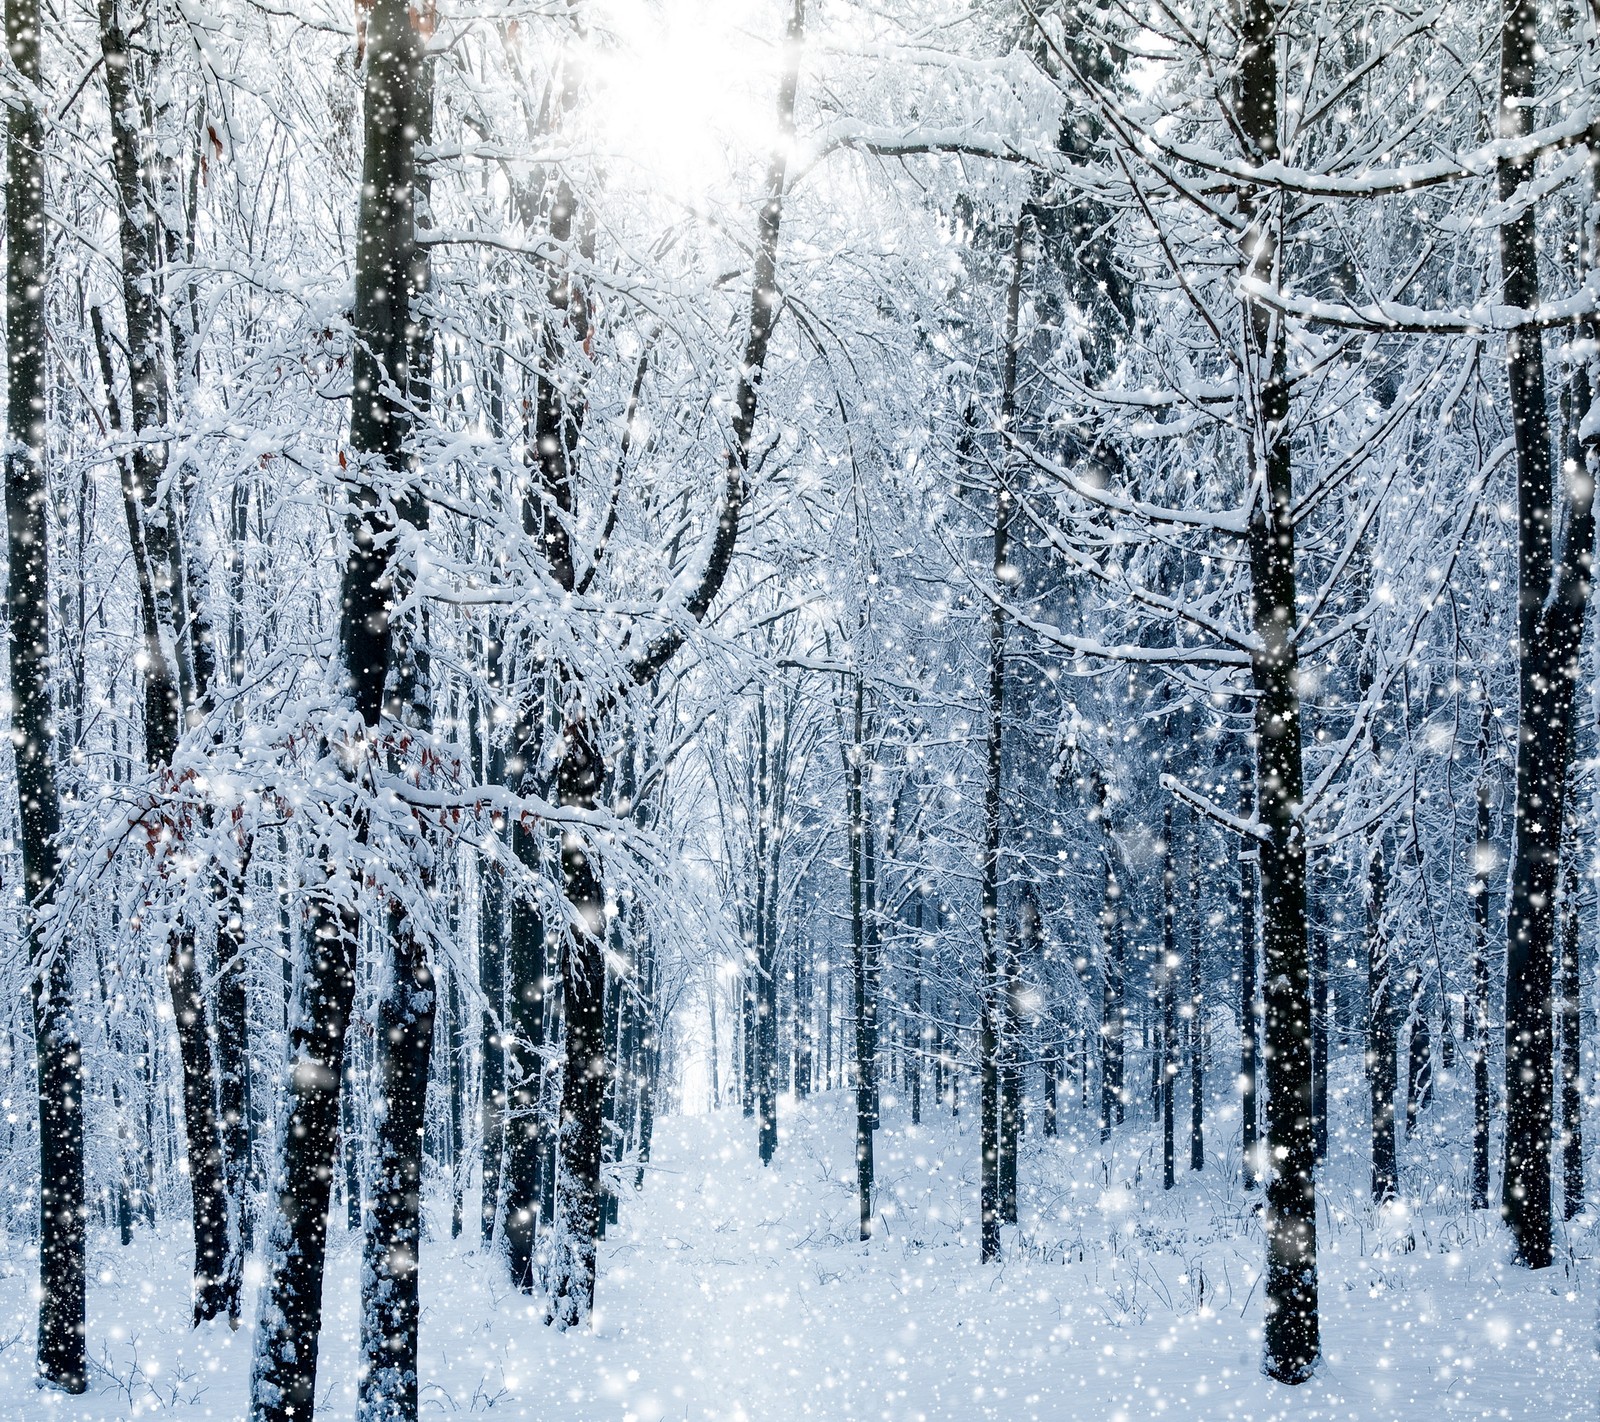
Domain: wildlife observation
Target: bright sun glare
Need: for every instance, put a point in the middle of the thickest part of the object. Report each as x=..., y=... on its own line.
x=684, y=88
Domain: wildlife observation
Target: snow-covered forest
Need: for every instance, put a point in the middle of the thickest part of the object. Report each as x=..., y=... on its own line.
x=799, y=708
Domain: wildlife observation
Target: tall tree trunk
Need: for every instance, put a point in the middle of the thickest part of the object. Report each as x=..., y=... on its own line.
x=914, y=1061
x=1571, y=1044
x=768, y=824
x=993, y=1014
x=1197, y=1019
x=491, y=981
x=233, y=1076
x=1551, y=602
x=60, y=1357
x=522, y=1045
x=1380, y=1032
x=1292, y=1334
x=1319, y=1038
x=407, y=990
x=571, y=1279
x=858, y=943
x=1167, y=1074
x=387, y=1383
x=1113, y=1013
x=1249, y=1008
x=1419, y=1054
x=1482, y=857
x=152, y=536
x=284, y=1372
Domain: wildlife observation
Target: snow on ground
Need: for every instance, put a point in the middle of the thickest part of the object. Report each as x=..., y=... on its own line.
x=730, y=1292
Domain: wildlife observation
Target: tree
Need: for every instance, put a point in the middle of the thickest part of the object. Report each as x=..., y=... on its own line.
x=284, y=1374
x=58, y=1057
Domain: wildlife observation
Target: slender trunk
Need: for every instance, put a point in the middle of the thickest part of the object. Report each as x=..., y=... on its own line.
x=60, y=1357
x=1380, y=1033
x=858, y=943
x=387, y=1384
x=571, y=1277
x=1197, y=1020
x=767, y=828
x=993, y=1021
x=1551, y=602
x=1571, y=1046
x=914, y=1060
x=1419, y=1055
x=284, y=1373
x=1319, y=1038
x=233, y=1075
x=1292, y=1343
x=456, y=1085
x=1167, y=973
x=711, y=1012
x=1482, y=858
x=152, y=537
x=407, y=990
x=522, y=1049
x=350, y=1135
x=491, y=982
x=1113, y=1014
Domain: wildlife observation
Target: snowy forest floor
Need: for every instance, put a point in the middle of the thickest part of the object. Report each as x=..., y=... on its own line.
x=731, y=1292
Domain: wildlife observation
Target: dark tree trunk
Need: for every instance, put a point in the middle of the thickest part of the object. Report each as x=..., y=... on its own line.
x=387, y=1388
x=60, y=1357
x=1571, y=1046
x=523, y=1060
x=769, y=819
x=1167, y=1070
x=1319, y=1039
x=1292, y=1333
x=215, y=1293
x=994, y=1015
x=570, y=1283
x=1249, y=1006
x=350, y=1133
x=408, y=994
x=456, y=1084
x=1551, y=603
x=284, y=1374
x=914, y=1060
x=233, y=1076
x=1419, y=1056
x=152, y=537
x=1197, y=1020
x=491, y=982
x=1380, y=1033
x=858, y=943
x=1114, y=1011
x=1482, y=856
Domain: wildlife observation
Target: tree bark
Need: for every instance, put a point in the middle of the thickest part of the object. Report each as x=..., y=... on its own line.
x=1551, y=602
x=1113, y=1014
x=152, y=538
x=1166, y=1081
x=571, y=1279
x=1249, y=1007
x=1571, y=1046
x=60, y=1355
x=864, y=1045
x=1292, y=1344
x=284, y=1373
x=387, y=1383
x=1380, y=1033
x=1482, y=858
x=1197, y=1021
x=523, y=1047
